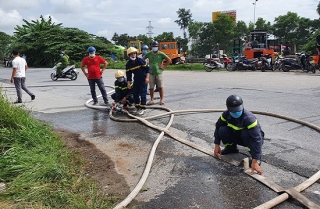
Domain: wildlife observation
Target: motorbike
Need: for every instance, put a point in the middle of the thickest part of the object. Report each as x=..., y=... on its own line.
x=307, y=62
x=242, y=63
x=302, y=62
x=266, y=62
x=227, y=61
x=212, y=63
x=69, y=72
x=277, y=65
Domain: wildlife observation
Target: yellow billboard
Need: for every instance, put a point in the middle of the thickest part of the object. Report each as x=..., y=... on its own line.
x=230, y=13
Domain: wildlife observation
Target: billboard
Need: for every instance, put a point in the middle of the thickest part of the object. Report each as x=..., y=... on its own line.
x=230, y=13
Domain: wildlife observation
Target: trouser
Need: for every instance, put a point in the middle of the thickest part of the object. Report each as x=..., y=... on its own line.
x=100, y=84
x=20, y=84
x=230, y=137
x=59, y=69
x=140, y=92
x=129, y=99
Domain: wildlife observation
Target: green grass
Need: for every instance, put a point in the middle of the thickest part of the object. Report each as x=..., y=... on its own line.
x=38, y=170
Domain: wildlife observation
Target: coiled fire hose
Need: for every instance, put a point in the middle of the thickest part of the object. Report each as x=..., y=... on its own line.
x=286, y=193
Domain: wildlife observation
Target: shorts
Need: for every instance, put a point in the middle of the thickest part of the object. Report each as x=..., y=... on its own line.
x=155, y=80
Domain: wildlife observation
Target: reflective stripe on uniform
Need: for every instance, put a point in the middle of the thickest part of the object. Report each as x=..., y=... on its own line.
x=136, y=67
x=121, y=88
x=252, y=125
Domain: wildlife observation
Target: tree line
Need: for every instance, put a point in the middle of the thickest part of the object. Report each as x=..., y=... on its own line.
x=42, y=40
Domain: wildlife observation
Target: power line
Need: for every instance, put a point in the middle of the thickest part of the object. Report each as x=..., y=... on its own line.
x=150, y=30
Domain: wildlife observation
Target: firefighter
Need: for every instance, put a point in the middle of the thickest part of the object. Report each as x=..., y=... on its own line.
x=122, y=94
x=141, y=72
x=238, y=126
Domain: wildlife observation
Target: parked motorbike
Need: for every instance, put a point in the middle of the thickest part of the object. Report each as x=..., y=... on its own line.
x=227, y=62
x=68, y=72
x=307, y=62
x=242, y=63
x=302, y=62
x=277, y=65
x=212, y=63
x=266, y=62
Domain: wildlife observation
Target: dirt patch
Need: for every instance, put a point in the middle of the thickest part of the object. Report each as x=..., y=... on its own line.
x=98, y=166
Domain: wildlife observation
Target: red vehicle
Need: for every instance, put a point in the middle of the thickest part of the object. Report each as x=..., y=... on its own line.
x=226, y=60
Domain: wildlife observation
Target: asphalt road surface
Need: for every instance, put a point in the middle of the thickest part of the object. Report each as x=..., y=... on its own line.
x=182, y=177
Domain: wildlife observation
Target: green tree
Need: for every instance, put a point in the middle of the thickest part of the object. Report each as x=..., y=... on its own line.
x=224, y=30
x=5, y=41
x=185, y=19
x=42, y=42
x=261, y=24
x=318, y=8
x=194, y=30
x=241, y=30
x=286, y=26
x=122, y=39
x=165, y=36
x=145, y=39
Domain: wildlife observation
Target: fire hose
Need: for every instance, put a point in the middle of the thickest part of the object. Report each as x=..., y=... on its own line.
x=284, y=193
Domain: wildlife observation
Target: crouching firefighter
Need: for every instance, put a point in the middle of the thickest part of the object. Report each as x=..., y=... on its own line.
x=123, y=94
x=238, y=126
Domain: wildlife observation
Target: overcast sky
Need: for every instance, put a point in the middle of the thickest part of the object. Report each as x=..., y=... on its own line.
x=105, y=17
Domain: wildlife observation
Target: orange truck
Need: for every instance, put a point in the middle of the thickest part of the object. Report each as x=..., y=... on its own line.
x=172, y=49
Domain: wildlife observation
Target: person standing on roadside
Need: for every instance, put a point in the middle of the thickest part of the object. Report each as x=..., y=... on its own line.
x=158, y=61
x=18, y=77
x=94, y=74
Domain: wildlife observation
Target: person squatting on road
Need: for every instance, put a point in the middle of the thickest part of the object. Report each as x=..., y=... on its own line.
x=64, y=60
x=94, y=74
x=157, y=65
x=122, y=93
x=20, y=66
x=238, y=126
x=141, y=72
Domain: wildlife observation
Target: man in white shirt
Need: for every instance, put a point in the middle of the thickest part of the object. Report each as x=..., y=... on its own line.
x=19, y=76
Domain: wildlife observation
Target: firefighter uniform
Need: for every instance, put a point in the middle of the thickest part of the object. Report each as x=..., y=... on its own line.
x=244, y=131
x=121, y=91
x=139, y=69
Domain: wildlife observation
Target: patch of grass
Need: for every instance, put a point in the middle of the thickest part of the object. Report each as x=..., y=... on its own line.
x=37, y=169
x=187, y=66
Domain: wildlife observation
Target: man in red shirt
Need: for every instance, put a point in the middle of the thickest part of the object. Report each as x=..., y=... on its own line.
x=94, y=74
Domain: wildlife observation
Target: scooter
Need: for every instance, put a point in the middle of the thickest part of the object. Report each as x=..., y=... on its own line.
x=266, y=62
x=242, y=63
x=69, y=72
x=211, y=64
x=302, y=62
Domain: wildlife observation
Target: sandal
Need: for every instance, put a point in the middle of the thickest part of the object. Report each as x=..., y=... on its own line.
x=161, y=103
x=150, y=103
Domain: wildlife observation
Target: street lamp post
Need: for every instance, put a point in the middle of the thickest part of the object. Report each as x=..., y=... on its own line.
x=254, y=13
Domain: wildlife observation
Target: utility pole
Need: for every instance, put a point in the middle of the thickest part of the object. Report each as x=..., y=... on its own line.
x=254, y=14
x=150, y=30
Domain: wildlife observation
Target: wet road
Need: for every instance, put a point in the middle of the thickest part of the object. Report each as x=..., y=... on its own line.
x=182, y=177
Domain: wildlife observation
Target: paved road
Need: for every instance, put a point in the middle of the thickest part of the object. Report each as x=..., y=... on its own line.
x=182, y=177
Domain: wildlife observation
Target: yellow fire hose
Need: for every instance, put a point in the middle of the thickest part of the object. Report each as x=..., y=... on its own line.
x=285, y=193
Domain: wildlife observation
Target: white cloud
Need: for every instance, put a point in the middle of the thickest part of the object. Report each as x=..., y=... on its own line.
x=9, y=20
x=132, y=17
x=67, y=6
x=165, y=20
x=104, y=33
